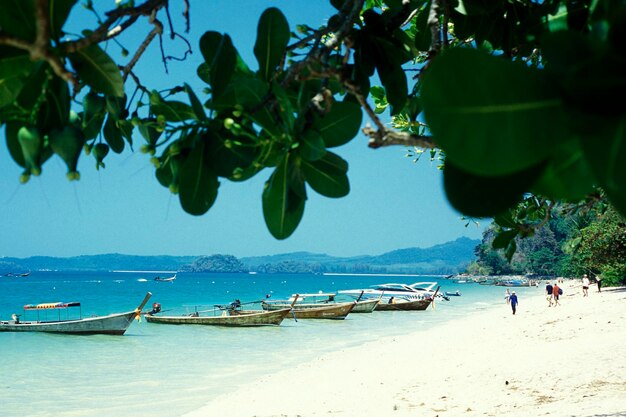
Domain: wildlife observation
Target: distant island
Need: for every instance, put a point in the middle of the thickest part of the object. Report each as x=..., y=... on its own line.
x=447, y=258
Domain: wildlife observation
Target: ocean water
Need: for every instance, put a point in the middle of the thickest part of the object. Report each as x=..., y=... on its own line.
x=166, y=371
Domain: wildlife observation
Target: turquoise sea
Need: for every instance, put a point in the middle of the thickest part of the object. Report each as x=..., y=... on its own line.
x=166, y=371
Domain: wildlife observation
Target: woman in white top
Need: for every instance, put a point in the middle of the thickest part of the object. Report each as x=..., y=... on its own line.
x=585, y=285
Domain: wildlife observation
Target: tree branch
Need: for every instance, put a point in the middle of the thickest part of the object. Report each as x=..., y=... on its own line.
x=103, y=32
x=38, y=50
x=128, y=68
x=435, y=28
x=402, y=17
x=388, y=137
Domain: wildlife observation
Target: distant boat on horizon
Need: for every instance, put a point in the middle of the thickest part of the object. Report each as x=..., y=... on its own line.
x=19, y=275
x=166, y=279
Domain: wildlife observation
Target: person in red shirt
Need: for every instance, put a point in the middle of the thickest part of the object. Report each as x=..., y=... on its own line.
x=555, y=294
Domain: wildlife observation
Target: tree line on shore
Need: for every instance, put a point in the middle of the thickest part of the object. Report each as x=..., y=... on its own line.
x=570, y=244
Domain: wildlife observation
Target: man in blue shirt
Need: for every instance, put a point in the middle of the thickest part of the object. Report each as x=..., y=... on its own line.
x=513, y=301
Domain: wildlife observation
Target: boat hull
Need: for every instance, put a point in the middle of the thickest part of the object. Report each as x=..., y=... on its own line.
x=245, y=318
x=366, y=306
x=416, y=305
x=113, y=324
x=337, y=311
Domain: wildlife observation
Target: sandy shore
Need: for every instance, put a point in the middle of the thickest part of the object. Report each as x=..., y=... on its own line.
x=561, y=361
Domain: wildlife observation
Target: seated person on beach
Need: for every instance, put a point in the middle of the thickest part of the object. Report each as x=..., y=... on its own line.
x=392, y=300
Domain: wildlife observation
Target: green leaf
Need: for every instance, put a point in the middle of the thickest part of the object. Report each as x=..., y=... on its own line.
x=116, y=107
x=17, y=18
x=271, y=41
x=198, y=182
x=59, y=11
x=423, y=35
x=173, y=111
x=126, y=130
x=13, y=144
x=9, y=90
x=567, y=176
x=340, y=125
x=327, y=176
x=495, y=117
x=195, y=103
x=68, y=144
x=312, y=145
x=31, y=143
x=505, y=219
x=164, y=173
x=96, y=68
x=93, y=115
x=510, y=250
x=283, y=207
x=148, y=130
x=55, y=111
x=228, y=154
x=285, y=110
x=606, y=152
x=388, y=61
x=558, y=21
x=504, y=238
x=14, y=63
x=221, y=58
x=249, y=92
x=204, y=73
x=113, y=135
x=480, y=196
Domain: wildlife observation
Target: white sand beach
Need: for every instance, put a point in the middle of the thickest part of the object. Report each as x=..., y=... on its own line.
x=559, y=361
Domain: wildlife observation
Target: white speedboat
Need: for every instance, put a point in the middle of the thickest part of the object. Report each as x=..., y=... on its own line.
x=415, y=291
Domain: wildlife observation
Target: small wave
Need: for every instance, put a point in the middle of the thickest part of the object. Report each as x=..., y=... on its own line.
x=119, y=281
x=142, y=280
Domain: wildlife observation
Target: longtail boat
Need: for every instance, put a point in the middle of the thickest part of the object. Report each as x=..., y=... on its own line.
x=166, y=279
x=404, y=305
x=233, y=318
x=329, y=310
x=317, y=300
x=113, y=324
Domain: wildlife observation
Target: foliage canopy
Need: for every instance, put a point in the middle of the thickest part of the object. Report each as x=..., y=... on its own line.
x=518, y=94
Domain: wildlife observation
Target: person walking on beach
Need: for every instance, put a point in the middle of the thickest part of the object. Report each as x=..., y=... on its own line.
x=555, y=294
x=599, y=281
x=585, y=285
x=513, y=301
x=549, y=294
x=507, y=296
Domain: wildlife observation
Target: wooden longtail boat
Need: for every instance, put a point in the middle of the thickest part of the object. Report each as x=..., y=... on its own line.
x=333, y=311
x=233, y=318
x=404, y=305
x=113, y=324
x=316, y=300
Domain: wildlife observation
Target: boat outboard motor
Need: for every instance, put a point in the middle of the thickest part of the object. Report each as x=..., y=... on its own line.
x=235, y=304
x=156, y=308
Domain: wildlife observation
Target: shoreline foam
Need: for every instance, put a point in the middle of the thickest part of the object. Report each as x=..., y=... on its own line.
x=561, y=361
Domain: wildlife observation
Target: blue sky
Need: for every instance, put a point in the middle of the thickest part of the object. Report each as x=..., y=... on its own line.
x=393, y=203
